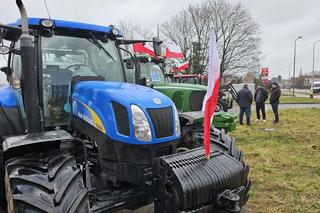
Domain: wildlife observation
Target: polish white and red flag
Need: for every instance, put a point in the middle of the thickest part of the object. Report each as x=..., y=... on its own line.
x=172, y=54
x=180, y=67
x=211, y=98
x=144, y=48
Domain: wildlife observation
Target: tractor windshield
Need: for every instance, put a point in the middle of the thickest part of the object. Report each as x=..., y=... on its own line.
x=64, y=57
x=152, y=71
x=186, y=79
x=70, y=56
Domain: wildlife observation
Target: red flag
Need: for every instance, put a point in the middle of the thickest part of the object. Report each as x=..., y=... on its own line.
x=170, y=54
x=211, y=98
x=181, y=67
x=141, y=48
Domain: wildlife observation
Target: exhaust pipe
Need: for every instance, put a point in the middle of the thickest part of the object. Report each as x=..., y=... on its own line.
x=29, y=76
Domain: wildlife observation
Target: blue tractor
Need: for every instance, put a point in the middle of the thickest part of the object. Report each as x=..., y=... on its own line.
x=76, y=138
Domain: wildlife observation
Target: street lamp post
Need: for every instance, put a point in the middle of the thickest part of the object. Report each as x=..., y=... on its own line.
x=294, y=63
x=313, y=75
x=289, y=80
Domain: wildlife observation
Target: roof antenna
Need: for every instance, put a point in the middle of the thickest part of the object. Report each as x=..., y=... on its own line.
x=45, y=3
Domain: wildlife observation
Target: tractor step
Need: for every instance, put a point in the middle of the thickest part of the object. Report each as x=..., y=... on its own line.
x=188, y=182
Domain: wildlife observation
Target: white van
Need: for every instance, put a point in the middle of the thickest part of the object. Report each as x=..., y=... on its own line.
x=316, y=87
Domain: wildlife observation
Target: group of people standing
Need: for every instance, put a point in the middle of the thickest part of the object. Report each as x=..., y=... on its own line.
x=245, y=100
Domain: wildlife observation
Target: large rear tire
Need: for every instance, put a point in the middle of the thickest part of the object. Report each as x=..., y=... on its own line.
x=193, y=136
x=45, y=182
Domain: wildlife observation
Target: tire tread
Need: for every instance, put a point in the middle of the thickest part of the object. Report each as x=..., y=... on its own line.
x=54, y=184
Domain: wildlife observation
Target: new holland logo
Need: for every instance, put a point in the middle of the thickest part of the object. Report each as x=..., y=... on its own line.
x=156, y=100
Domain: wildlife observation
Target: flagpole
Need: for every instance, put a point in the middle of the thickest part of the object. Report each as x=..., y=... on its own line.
x=211, y=98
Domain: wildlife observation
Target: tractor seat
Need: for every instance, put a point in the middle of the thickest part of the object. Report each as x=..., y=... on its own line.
x=59, y=80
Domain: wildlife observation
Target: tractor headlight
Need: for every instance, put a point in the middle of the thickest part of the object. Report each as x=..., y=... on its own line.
x=177, y=122
x=140, y=123
x=47, y=23
x=115, y=32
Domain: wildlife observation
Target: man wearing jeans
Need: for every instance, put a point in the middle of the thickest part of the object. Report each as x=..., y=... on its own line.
x=260, y=97
x=274, y=101
x=244, y=101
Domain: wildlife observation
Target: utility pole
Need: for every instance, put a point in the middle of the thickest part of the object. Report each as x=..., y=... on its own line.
x=289, y=80
x=313, y=75
x=294, y=62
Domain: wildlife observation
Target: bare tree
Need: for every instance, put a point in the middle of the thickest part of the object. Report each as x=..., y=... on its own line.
x=237, y=35
x=179, y=33
x=133, y=31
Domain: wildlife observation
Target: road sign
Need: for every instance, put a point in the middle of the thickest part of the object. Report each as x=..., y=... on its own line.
x=264, y=75
x=265, y=72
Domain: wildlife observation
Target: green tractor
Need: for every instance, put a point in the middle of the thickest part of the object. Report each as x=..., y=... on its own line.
x=75, y=137
x=187, y=96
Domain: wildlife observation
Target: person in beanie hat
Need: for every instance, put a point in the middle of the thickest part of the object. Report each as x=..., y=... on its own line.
x=244, y=101
x=260, y=97
x=274, y=101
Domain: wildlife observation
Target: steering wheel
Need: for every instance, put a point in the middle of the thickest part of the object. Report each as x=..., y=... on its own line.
x=77, y=65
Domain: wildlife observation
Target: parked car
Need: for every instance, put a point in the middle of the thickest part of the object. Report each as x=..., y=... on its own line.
x=316, y=87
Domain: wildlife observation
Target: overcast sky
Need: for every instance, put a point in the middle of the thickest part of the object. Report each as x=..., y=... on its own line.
x=281, y=21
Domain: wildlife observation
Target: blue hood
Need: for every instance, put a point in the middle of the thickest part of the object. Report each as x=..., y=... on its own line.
x=123, y=93
x=97, y=97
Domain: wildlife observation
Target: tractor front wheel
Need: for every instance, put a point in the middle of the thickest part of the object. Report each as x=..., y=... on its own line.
x=193, y=137
x=45, y=182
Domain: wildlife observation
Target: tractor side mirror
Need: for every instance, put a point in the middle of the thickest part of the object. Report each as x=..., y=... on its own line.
x=9, y=33
x=157, y=46
x=129, y=64
x=6, y=70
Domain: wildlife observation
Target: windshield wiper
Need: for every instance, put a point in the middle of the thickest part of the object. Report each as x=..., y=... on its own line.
x=95, y=41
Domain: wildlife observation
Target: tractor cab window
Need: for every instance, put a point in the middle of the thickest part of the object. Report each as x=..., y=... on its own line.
x=64, y=57
x=16, y=61
x=186, y=80
x=152, y=71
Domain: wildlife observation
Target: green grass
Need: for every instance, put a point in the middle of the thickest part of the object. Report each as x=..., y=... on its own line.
x=285, y=99
x=285, y=163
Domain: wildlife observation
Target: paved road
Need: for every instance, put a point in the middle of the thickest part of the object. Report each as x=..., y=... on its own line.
x=281, y=106
x=302, y=93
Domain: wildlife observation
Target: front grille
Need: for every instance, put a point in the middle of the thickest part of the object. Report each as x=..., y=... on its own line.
x=122, y=118
x=177, y=99
x=196, y=99
x=162, y=120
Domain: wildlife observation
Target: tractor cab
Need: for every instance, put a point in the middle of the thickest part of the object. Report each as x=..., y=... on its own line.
x=64, y=50
x=147, y=68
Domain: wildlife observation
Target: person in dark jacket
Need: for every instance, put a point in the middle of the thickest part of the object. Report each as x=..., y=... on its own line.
x=244, y=101
x=260, y=97
x=274, y=101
